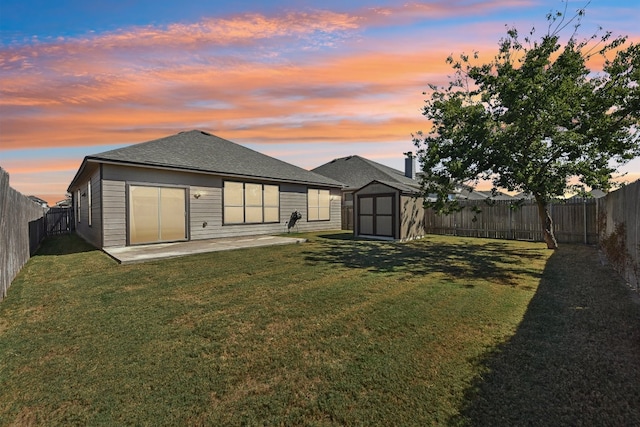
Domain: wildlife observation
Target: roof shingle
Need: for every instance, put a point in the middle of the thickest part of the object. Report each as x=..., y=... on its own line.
x=202, y=152
x=356, y=172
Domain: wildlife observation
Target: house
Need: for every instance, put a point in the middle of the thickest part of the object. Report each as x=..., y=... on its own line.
x=468, y=193
x=378, y=201
x=192, y=186
x=595, y=193
x=38, y=200
x=64, y=203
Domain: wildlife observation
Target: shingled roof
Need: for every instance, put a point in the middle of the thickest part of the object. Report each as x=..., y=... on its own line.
x=356, y=172
x=200, y=151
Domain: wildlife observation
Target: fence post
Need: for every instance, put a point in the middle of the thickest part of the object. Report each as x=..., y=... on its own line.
x=511, y=234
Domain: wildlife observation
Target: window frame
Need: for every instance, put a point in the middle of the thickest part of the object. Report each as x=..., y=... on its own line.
x=89, y=204
x=318, y=207
x=78, y=205
x=159, y=188
x=250, y=206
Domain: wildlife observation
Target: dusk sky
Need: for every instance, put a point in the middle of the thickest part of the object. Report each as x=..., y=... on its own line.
x=302, y=81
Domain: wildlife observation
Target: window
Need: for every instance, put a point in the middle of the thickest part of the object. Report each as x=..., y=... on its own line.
x=318, y=205
x=249, y=203
x=78, y=205
x=89, y=202
x=271, y=203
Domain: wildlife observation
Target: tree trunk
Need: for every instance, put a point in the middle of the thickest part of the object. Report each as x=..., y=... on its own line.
x=547, y=223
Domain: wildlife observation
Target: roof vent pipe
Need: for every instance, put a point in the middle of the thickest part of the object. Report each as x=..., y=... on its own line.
x=410, y=165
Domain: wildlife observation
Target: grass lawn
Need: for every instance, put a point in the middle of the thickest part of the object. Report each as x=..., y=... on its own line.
x=441, y=331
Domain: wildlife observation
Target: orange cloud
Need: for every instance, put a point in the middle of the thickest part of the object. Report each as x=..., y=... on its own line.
x=250, y=78
x=241, y=29
x=42, y=165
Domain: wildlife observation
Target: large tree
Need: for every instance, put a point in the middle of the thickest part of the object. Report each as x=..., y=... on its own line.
x=535, y=119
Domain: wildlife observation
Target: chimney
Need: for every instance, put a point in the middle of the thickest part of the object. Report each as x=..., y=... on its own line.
x=410, y=165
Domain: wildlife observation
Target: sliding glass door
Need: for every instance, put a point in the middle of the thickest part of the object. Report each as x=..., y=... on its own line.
x=156, y=214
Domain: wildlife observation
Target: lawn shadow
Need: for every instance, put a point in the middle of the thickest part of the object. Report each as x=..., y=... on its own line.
x=574, y=359
x=64, y=244
x=481, y=260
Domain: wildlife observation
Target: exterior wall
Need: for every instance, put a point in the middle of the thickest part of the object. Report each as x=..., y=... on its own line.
x=91, y=233
x=411, y=218
x=294, y=198
x=114, y=213
x=205, y=217
x=205, y=211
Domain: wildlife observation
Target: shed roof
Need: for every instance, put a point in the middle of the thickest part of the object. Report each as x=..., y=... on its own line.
x=200, y=151
x=403, y=188
x=356, y=172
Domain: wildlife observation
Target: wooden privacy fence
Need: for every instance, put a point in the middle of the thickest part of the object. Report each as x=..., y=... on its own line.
x=59, y=221
x=347, y=217
x=21, y=230
x=622, y=207
x=589, y=221
x=575, y=220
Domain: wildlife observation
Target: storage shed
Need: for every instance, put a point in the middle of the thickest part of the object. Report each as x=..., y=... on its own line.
x=388, y=210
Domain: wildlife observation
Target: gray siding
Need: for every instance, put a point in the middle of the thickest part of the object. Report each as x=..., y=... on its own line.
x=205, y=216
x=114, y=215
x=294, y=198
x=91, y=233
x=151, y=176
x=205, y=212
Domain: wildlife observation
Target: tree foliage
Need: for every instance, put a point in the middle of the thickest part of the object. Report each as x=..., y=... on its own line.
x=534, y=117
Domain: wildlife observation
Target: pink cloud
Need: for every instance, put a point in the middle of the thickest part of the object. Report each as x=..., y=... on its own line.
x=251, y=78
x=248, y=29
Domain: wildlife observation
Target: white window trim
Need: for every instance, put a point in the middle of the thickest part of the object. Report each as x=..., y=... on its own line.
x=78, y=206
x=89, y=203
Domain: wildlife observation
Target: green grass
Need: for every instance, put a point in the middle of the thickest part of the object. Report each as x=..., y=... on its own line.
x=441, y=331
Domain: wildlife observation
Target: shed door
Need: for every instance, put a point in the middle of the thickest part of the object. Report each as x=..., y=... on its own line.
x=156, y=214
x=376, y=215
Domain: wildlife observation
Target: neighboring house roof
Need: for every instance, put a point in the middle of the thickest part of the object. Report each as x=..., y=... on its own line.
x=466, y=192
x=200, y=151
x=63, y=203
x=356, y=172
x=499, y=195
x=39, y=201
x=595, y=194
x=523, y=195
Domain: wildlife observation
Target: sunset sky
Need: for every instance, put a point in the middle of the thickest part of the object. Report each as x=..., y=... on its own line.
x=303, y=81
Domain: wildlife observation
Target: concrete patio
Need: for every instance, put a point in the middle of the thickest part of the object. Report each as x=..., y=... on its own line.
x=143, y=253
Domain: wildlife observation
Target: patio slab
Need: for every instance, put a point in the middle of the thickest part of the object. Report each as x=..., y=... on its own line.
x=143, y=253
